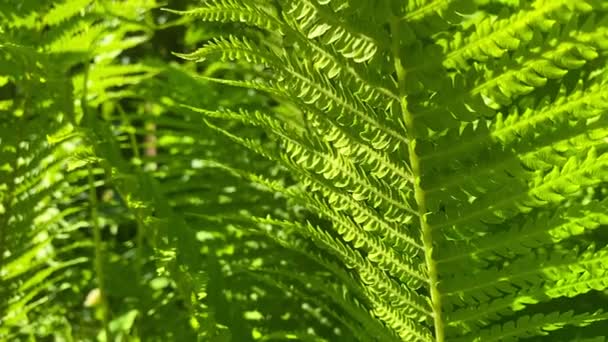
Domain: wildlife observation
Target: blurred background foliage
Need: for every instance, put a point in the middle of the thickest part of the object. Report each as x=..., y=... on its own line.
x=123, y=216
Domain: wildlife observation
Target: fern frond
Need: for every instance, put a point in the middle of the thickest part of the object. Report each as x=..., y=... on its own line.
x=431, y=170
x=403, y=299
x=543, y=229
x=323, y=160
x=259, y=15
x=494, y=37
x=543, y=189
x=317, y=20
x=311, y=87
x=506, y=79
x=374, y=279
x=361, y=325
x=378, y=250
x=538, y=324
x=494, y=147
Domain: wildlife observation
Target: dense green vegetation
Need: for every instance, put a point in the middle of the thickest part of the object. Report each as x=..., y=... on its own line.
x=311, y=170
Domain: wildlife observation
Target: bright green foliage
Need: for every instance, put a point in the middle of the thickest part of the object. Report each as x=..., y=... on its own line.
x=455, y=148
x=48, y=256
x=315, y=170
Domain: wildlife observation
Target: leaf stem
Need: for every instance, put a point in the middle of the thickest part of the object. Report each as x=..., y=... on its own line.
x=98, y=255
x=419, y=194
x=105, y=308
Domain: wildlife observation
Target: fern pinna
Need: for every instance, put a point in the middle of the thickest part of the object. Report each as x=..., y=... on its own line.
x=454, y=150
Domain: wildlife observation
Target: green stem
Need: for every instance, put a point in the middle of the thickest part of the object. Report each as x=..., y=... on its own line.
x=99, y=255
x=419, y=194
x=7, y=203
x=4, y=218
x=138, y=215
x=105, y=308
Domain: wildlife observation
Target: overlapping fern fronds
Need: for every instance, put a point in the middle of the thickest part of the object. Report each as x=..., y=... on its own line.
x=455, y=151
x=208, y=183
x=423, y=170
x=49, y=219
